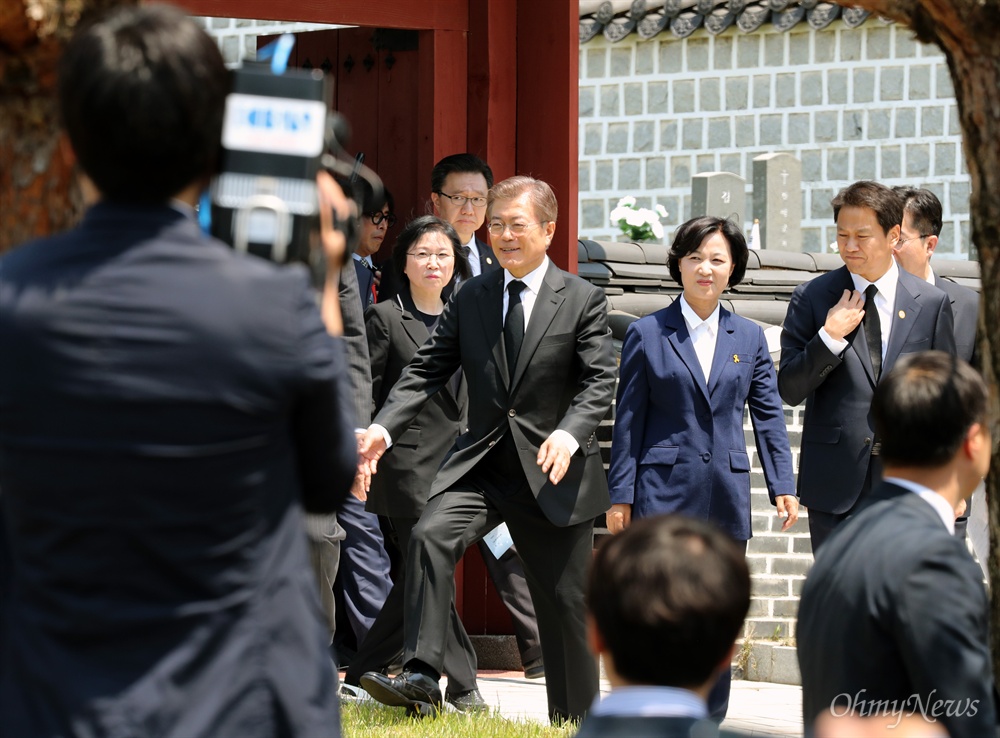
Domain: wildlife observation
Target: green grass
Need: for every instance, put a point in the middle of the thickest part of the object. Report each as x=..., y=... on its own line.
x=368, y=720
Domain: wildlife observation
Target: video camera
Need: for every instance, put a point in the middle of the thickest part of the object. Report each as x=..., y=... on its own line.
x=276, y=134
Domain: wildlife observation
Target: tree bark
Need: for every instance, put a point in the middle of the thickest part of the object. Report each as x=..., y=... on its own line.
x=968, y=31
x=38, y=192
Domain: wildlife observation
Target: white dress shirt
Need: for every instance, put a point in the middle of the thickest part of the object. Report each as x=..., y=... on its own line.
x=472, y=254
x=932, y=498
x=885, y=301
x=704, y=335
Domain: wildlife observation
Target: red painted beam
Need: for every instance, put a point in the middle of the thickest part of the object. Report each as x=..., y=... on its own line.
x=548, y=52
x=414, y=14
x=441, y=115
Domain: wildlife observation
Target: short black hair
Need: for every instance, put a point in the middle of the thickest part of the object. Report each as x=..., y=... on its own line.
x=887, y=205
x=925, y=406
x=368, y=202
x=668, y=596
x=924, y=207
x=142, y=91
x=417, y=229
x=693, y=233
x=462, y=164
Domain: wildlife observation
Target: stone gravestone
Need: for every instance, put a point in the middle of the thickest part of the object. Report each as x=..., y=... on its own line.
x=777, y=201
x=722, y=194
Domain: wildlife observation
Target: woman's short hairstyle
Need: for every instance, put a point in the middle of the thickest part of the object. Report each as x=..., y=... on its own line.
x=416, y=230
x=692, y=234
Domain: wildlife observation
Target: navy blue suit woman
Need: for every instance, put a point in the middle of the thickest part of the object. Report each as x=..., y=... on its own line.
x=678, y=444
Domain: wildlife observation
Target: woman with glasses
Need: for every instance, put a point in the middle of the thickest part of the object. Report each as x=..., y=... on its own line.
x=426, y=257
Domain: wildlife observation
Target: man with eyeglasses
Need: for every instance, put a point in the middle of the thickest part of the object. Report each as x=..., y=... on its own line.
x=534, y=344
x=459, y=184
x=376, y=219
x=918, y=238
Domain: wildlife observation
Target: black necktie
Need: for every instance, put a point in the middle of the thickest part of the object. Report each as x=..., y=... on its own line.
x=873, y=329
x=513, y=326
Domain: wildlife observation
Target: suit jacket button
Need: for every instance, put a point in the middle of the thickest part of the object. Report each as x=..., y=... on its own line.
x=706, y=457
x=868, y=442
x=492, y=444
x=512, y=412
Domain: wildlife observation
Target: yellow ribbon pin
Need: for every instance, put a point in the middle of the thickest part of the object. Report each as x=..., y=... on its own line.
x=736, y=358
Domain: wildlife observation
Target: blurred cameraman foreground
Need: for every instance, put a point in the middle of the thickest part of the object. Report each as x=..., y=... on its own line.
x=167, y=409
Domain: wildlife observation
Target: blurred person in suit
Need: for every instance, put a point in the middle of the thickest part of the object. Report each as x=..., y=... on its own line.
x=893, y=617
x=641, y=606
x=168, y=410
x=377, y=217
x=842, y=332
x=687, y=372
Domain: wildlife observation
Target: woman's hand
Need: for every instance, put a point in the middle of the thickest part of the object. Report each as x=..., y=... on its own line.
x=619, y=517
x=788, y=509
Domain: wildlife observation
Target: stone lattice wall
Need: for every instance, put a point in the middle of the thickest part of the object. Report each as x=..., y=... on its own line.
x=863, y=103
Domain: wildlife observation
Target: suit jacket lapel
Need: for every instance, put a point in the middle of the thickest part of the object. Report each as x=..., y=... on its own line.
x=487, y=259
x=490, y=302
x=905, y=316
x=547, y=304
x=725, y=349
x=680, y=340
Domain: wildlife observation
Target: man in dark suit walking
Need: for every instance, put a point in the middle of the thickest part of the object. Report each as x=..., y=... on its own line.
x=535, y=348
x=842, y=332
x=893, y=616
x=641, y=606
x=168, y=408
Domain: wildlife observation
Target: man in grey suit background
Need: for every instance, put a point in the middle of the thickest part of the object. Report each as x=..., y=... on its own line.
x=893, y=618
x=842, y=332
x=535, y=347
x=918, y=238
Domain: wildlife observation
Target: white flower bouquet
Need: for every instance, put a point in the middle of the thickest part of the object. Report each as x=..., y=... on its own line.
x=638, y=224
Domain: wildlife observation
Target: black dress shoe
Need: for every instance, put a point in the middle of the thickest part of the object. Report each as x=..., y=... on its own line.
x=534, y=669
x=416, y=692
x=469, y=701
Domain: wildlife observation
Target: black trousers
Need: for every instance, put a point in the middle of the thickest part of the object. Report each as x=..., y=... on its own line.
x=385, y=638
x=822, y=524
x=555, y=565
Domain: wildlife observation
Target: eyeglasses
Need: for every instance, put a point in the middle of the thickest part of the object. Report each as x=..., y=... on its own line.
x=377, y=218
x=460, y=200
x=915, y=238
x=496, y=228
x=425, y=256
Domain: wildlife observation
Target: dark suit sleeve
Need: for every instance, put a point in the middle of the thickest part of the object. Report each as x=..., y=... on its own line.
x=598, y=370
x=805, y=360
x=943, y=338
x=953, y=660
x=377, y=330
x=430, y=369
x=322, y=431
x=768, y=419
x=357, y=347
x=630, y=418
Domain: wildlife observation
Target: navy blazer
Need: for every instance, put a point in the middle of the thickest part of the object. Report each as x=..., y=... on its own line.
x=894, y=609
x=679, y=445
x=965, y=310
x=838, y=431
x=167, y=408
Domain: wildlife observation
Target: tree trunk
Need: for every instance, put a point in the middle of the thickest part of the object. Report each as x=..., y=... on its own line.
x=38, y=193
x=968, y=31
